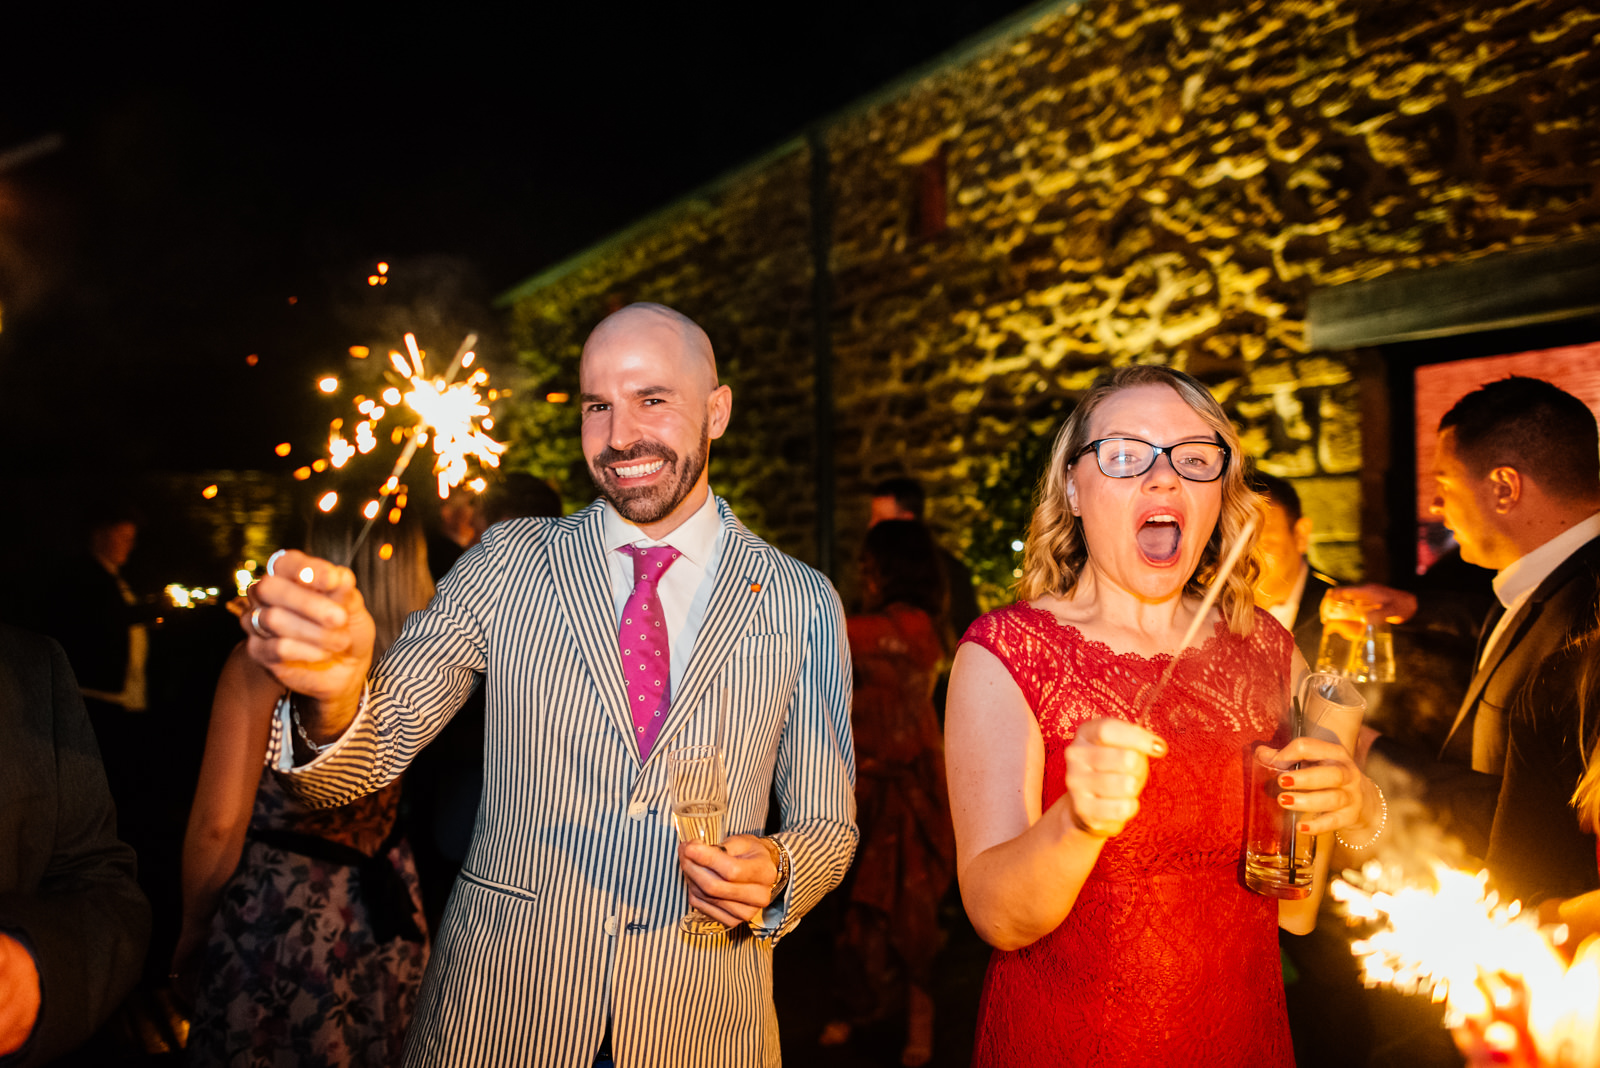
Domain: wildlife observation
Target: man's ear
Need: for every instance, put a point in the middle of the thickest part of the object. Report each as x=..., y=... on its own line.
x=1302, y=535
x=719, y=409
x=1505, y=483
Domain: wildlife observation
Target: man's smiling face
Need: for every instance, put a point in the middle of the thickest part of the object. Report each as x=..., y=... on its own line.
x=650, y=407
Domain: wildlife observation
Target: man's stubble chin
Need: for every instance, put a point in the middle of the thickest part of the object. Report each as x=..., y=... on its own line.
x=651, y=504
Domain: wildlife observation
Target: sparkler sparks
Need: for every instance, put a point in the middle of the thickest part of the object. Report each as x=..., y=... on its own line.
x=1457, y=941
x=450, y=415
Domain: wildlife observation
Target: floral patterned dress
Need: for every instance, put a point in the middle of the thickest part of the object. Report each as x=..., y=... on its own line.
x=317, y=948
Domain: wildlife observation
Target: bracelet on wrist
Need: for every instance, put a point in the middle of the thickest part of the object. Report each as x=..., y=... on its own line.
x=1383, y=821
x=286, y=703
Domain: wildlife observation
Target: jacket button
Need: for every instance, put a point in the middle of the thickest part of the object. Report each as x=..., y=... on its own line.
x=637, y=810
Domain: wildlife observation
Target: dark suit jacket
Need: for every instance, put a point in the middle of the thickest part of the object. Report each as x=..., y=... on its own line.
x=1307, y=627
x=67, y=887
x=1562, y=606
x=88, y=616
x=1537, y=848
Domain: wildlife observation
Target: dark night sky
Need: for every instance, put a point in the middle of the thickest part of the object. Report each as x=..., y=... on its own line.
x=210, y=170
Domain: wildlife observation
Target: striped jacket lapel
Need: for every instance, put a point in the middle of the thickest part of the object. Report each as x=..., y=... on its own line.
x=584, y=586
x=741, y=580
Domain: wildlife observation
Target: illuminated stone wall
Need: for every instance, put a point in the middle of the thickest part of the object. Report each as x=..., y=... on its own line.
x=1127, y=180
x=736, y=262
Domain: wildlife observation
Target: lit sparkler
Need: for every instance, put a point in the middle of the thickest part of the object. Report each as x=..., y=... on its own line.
x=451, y=416
x=1457, y=941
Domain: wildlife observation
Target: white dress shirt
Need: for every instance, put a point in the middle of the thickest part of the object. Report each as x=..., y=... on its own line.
x=1516, y=582
x=685, y=589
x=1286, y=610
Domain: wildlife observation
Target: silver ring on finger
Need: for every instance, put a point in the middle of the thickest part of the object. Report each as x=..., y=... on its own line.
x=255, y=625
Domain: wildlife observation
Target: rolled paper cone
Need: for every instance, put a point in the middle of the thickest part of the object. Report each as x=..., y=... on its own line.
x=1334, y=709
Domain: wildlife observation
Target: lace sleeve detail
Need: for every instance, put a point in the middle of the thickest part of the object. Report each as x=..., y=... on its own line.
x=1005, y=634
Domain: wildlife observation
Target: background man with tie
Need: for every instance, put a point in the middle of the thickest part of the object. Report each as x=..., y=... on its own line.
x=561, y=942
x=1289, y=588
x=1517, y=476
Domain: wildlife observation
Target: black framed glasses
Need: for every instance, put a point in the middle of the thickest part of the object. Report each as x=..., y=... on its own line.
x=1197, y=461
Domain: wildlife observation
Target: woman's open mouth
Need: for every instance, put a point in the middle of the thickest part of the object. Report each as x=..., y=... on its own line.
x=1159, y=537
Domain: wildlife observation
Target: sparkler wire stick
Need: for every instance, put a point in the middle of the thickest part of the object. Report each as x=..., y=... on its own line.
x=391, y=485
x=1229, y=562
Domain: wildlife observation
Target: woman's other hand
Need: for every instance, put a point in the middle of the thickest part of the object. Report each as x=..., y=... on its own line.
x=1108, y=764
x=1328, y=787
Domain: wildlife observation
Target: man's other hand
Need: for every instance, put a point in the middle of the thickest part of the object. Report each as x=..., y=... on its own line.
x=731, y=883
x=19, y=994
x=1358, y=604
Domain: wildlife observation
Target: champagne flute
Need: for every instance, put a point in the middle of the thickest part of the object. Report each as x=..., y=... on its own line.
x=1373, y=659
x=699, y=807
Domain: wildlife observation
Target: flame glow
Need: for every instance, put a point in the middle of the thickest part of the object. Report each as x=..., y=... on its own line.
x=451, y=410
x=1458, y=942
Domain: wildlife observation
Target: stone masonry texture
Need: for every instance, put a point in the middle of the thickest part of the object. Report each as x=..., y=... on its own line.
x=1127, y=181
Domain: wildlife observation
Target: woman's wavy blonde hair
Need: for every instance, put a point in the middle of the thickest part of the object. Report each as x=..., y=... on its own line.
x=1055, y=554
x=1586, y=653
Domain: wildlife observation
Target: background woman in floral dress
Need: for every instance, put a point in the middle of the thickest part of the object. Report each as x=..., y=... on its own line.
x=303, y=929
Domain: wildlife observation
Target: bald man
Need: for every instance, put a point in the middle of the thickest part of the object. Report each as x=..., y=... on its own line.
x=648, y=622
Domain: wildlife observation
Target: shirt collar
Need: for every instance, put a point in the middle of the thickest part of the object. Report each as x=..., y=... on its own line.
x=695, y=538
x=1521, y=577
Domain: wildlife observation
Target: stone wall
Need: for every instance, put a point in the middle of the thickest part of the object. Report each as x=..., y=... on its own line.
x=1126, y=180
x=736, y=260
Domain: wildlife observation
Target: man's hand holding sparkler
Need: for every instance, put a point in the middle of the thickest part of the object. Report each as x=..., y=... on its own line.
x=308, y=625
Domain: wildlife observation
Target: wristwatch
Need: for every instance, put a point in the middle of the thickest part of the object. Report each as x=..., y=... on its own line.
x=780, y=860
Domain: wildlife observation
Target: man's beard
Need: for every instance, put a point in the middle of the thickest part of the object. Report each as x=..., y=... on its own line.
x=653, y=503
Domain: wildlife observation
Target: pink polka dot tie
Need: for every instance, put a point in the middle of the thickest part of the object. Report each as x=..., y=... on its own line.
x=642, y=641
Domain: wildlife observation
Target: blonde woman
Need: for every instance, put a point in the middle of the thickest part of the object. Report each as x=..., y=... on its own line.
x=302, y=932
x=1098, y=842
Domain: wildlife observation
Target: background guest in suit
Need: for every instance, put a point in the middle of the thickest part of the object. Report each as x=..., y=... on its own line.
x=1289, y=588
x=561, y=942
x=1517, y=477
x=98, y=620
x=461, y=524
x=73, y=924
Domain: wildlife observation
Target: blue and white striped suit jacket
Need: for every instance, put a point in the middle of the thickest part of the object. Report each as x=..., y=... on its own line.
x=567, y=908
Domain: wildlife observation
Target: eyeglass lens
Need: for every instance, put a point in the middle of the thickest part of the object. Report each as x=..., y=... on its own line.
x=1198, y=461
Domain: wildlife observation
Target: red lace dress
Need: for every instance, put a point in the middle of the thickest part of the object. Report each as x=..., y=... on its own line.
x=1165, y=959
